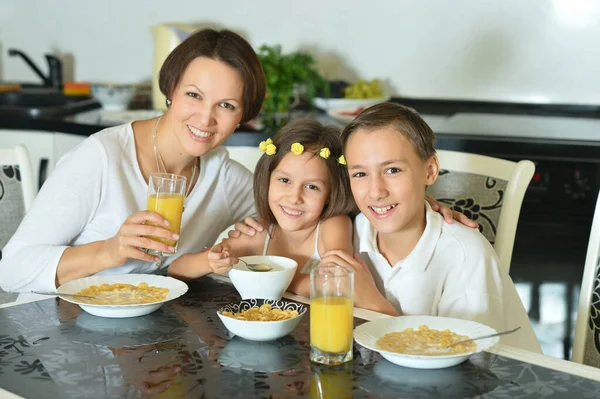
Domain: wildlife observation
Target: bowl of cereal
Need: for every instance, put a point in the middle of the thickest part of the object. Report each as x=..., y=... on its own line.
x=261, y=319
x=127, y=295
x=263, y=284
x=422, y=341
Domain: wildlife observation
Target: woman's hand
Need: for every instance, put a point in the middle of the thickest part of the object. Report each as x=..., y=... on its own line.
x=366, y=294
x=449, y=215
x=248, y=227
x=220, y=259
x=134, y=234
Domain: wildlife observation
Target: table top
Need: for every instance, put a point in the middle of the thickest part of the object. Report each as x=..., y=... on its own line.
x=51, y=348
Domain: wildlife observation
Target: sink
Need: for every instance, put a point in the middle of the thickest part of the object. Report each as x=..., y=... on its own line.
x=42, y=104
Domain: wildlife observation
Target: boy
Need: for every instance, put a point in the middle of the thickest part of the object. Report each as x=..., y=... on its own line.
x=410, y=261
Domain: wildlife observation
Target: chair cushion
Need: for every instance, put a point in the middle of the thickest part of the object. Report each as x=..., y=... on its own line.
x=12, y=206
x=479, y=197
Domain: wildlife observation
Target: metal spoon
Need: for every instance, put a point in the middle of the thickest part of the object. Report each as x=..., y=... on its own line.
x=61, y=294
x=484, y=336
x=257, y=267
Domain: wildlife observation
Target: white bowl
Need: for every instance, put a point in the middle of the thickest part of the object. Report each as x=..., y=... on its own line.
x=113, y=97
x=261, y=330
x=367, y=335
x=332, y=103
x=267, y=285
x=176, y=289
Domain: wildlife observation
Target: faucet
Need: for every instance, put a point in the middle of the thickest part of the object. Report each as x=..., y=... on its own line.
x=54, y=78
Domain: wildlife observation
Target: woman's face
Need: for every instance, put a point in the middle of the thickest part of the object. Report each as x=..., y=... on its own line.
x=207, y=104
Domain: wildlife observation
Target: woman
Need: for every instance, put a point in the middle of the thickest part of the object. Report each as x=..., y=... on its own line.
x=89, y=216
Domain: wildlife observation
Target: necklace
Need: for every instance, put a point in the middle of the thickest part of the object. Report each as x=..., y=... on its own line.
x=158, y=158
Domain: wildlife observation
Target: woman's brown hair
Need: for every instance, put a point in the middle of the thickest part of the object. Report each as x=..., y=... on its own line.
x=225, y=46
x=313, y=136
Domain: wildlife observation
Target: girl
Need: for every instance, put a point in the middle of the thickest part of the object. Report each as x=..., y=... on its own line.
x=301, y=191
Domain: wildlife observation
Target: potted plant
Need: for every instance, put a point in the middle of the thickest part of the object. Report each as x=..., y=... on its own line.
x=288, y=76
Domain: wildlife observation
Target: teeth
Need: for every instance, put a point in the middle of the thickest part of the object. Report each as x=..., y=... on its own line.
x=291, y=212
x=381, y=211
x=198, y=132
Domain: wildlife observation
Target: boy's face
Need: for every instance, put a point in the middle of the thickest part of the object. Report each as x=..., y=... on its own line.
x=388, y=178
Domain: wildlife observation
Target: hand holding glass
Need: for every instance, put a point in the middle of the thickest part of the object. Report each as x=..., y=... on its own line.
x=166, y=193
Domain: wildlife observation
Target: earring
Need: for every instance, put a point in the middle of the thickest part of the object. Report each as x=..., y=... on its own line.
x=169, y=102
x=238, y=125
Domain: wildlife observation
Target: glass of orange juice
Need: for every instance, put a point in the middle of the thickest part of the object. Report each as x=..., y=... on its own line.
x=166, y=192
x=331, y=319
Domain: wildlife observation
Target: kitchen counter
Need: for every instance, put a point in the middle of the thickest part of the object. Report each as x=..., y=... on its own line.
x=574, y=133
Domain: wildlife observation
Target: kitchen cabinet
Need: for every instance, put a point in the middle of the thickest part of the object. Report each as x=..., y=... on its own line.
x=40, y=145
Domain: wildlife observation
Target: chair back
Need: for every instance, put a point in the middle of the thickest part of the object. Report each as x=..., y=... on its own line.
x=488, y=190
x=247, y=156
x=586, y=346
x=17, y=190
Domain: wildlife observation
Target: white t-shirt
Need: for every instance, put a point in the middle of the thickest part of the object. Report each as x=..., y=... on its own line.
x=453, y=271
x=91, y=192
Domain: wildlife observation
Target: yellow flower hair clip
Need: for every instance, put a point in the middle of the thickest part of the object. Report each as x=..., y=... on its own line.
x=297, y=149
x=264, y=144
x=325, y=153
x=342, y=160
x=271, y=149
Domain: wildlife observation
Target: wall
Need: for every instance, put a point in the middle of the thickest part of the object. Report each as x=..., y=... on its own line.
x=513, y=50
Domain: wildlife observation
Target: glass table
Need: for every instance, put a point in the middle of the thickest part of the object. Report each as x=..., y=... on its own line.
x=53, y=349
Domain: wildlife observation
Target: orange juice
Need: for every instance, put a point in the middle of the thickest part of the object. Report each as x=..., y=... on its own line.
x=331, y=323
x=170, y=206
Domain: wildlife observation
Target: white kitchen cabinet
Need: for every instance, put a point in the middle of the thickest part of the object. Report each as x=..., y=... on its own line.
x=40, y=146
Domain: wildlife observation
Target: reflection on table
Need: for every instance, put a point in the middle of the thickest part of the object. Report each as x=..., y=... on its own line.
x=51, y=348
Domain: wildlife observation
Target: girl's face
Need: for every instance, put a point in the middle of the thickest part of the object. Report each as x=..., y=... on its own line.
x=298, y=191
x=207, y=104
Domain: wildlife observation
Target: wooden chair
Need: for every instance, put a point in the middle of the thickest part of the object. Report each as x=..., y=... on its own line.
x=586, y=346
x=486, y=189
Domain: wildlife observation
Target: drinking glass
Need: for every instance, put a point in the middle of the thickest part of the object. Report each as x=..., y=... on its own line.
x=166, y=192
x=331, y=319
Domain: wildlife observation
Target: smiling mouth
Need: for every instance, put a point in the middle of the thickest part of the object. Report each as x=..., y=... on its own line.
x=291, y=212
x=199, y=133
x=382, y=210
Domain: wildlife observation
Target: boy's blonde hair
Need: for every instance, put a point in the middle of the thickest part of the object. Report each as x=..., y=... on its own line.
x=403, y=119
x=313, y=136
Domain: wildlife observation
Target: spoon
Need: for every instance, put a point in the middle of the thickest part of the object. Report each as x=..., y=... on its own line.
x=257, y=267
x=484, y=336
x=61, y=294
